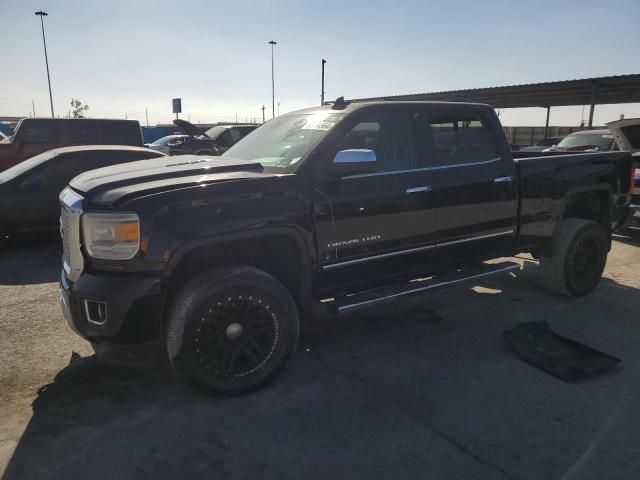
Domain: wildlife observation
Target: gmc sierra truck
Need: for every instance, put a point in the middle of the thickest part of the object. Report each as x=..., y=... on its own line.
x=216, y=262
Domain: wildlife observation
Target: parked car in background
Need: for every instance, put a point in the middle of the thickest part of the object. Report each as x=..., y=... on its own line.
x=214, y=141
x=36, y=135
x=586, y=141
x=29, y=191
x=626, y=133
x=542, y=144
x=163, y=144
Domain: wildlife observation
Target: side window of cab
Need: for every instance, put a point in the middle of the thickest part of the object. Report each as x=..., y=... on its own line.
x=38, y=131
x=390, y=135
x=461, y=139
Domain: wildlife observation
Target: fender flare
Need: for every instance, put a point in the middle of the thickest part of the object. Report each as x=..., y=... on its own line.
x=598, y=187
x=305, y=251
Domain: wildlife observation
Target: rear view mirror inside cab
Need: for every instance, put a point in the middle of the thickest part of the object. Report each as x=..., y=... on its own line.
x=353, y=162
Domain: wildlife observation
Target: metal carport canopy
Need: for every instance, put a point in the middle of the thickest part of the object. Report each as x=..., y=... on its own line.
x=585, y=91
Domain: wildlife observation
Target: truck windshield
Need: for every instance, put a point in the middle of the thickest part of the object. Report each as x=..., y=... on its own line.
x=280, y=143
x=598, y=140
x=215, y=132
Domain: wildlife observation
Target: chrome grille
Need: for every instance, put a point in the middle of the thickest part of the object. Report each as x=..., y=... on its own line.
x=64, y=232
x=70, y=212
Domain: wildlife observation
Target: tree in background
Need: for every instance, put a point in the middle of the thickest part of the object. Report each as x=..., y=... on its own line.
x=77, y=108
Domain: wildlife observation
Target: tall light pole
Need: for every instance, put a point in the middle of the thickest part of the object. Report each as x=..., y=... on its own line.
x=273, y=88
x=322, y=90
x=42, y=14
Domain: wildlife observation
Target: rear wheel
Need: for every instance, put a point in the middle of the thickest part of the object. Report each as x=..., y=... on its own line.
x=231, y=330
x=580, y=250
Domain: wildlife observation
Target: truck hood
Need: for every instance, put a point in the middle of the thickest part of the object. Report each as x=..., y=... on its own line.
x=105, y=186
x=626, y=133
x=189, y=128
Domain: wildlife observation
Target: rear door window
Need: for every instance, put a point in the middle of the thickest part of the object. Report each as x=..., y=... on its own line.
x=461, y=140
x=58, y=171
x=38, y=131
x=119, y=133
x=83, y=132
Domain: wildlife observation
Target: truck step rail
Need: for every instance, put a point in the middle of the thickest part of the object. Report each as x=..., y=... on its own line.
x=366, y=298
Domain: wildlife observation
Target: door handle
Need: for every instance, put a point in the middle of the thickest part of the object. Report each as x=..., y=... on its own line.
x=502, y=179
x=423, y=188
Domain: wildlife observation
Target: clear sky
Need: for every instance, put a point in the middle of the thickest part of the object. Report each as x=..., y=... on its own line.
x=121, y=57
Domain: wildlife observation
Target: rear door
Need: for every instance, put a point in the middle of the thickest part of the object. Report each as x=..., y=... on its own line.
x=367, y=223
x=475, y=184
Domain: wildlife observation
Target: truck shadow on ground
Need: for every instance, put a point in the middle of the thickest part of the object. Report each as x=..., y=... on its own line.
x=398, y=380
x=30, y=262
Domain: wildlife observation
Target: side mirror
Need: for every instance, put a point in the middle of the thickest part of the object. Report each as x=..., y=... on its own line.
x=353, y=162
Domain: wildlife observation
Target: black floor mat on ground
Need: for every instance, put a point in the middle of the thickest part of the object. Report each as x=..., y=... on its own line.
x=562, y=357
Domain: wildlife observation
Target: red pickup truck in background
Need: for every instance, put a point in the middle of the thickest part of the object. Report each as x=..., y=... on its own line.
x=36, y=135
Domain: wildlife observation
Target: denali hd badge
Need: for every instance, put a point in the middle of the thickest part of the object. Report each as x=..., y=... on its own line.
x=354, y=241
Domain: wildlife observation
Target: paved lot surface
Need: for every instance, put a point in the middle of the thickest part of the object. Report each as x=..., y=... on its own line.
x=419, y=389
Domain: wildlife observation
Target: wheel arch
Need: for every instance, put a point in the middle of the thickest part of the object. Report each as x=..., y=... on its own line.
x=589, y=202
x=281, y=252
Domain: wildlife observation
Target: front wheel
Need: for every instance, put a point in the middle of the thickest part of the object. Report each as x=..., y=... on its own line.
x=231, y=330
x=580, y=250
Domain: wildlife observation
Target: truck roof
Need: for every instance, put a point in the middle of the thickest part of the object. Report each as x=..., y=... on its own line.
x=352, y=106
x=93, y=148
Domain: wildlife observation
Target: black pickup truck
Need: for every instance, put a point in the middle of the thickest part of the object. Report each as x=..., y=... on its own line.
x=217, y=262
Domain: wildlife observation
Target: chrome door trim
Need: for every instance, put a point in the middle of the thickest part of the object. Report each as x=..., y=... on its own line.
x=376, y=257
x=471, y=239
x=424, y=188
x=413, y=250
x=393, y=172
x=471, y=164
x=425, y=169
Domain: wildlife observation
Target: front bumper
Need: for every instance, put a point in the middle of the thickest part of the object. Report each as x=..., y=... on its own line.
x=130, y=304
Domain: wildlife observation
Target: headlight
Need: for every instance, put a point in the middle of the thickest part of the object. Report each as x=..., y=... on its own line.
x=113, y=236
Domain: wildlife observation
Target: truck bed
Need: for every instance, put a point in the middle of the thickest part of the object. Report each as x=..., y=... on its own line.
x=547, y=179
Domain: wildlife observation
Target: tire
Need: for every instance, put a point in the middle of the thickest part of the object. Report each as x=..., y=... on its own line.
x=580, y=250
x=231, y=330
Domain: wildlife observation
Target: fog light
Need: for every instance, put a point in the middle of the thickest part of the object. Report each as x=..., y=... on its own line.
x=96, y=312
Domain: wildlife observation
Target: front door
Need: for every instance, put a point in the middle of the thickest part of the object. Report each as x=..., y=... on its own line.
x=367, y=222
